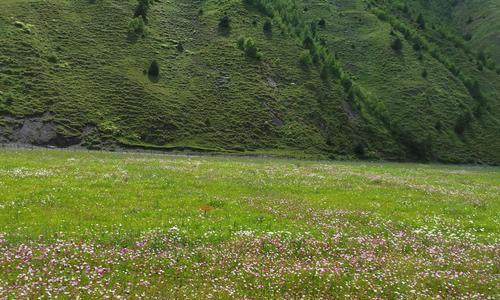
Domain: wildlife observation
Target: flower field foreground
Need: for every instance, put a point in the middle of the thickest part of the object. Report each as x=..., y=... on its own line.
x=102, y=225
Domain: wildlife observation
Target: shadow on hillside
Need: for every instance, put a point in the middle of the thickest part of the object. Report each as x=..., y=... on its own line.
x=154, y=79
x=133, y=38
x=224, y=31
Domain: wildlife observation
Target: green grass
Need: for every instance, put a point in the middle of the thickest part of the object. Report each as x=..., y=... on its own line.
x=176, y=227
x=212, y=97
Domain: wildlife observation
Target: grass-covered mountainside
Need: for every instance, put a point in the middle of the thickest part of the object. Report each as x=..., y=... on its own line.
x=403, y=80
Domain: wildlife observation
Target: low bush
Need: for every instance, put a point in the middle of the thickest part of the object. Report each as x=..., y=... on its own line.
x=248, y=46
x=421, y=21
x=142, y=9
x=305, y=58
x=136, y=26
x=424, y=73
x=225, y=22
x=268, y=26
x=397, y=44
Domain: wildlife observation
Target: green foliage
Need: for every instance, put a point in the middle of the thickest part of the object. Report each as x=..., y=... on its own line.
x=397, y=44
x=463, y=123
x=325, y=72
x=241, y=43
x=142, y=9
x=322, y=23
x=268, y=26
x=360, y=91
x=474, y=90
x=305, y=58
x=225, y=22
x=154, y=69
x=136, y=26
x=6, y=101
x=421, y=21
x=251, y=48
x=248, y=46
x=52, y=58
x=308, y=42
x=179, y=47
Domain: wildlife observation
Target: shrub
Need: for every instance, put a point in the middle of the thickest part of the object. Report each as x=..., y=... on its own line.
x=314, y=54
x=241, y=43
x=462, y=123
x=424, y=73
x=325, y=72
x=397, y=44
x=136, y=26
x=308, y=42
x=421, y=21
x=417, y=46
x=481, y=56
x=142, y=9
x=224, y=22
x=7, y=98
x=474, y=90
x=52, y=59
x=251, y=49
x=335, y=69
x=179, y=47
x=305, y=58
x=359, y=150
x=313, y=26
x=248, y=46
x=154, y=69
x=268, y=26
x=406, y=8
x=322, y=23
x=346, y=83
x=439, y=125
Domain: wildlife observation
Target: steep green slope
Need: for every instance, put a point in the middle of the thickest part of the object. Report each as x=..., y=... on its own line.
x=481, y=19
x=72, y=73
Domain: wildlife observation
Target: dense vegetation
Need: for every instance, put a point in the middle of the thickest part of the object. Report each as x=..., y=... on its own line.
x=109, y=225
x=396, y=79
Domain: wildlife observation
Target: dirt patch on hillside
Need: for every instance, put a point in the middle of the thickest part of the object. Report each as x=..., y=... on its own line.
x=37, y=129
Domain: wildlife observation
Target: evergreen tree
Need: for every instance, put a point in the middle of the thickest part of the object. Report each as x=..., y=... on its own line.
x=421, y=21
x=224, y=22
x=268, y=26
x=397, y=44
x=154, y=69
x=142, y=9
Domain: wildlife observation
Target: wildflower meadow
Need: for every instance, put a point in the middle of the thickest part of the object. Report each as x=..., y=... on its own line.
x=77, y=225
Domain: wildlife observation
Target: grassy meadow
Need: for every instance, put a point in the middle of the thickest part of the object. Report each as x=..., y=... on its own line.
x=129, y=226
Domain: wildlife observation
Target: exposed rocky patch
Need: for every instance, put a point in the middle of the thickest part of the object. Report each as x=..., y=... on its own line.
x=39, y=130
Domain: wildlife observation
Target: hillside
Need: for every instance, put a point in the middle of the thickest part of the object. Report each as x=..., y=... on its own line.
x=336, y=79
